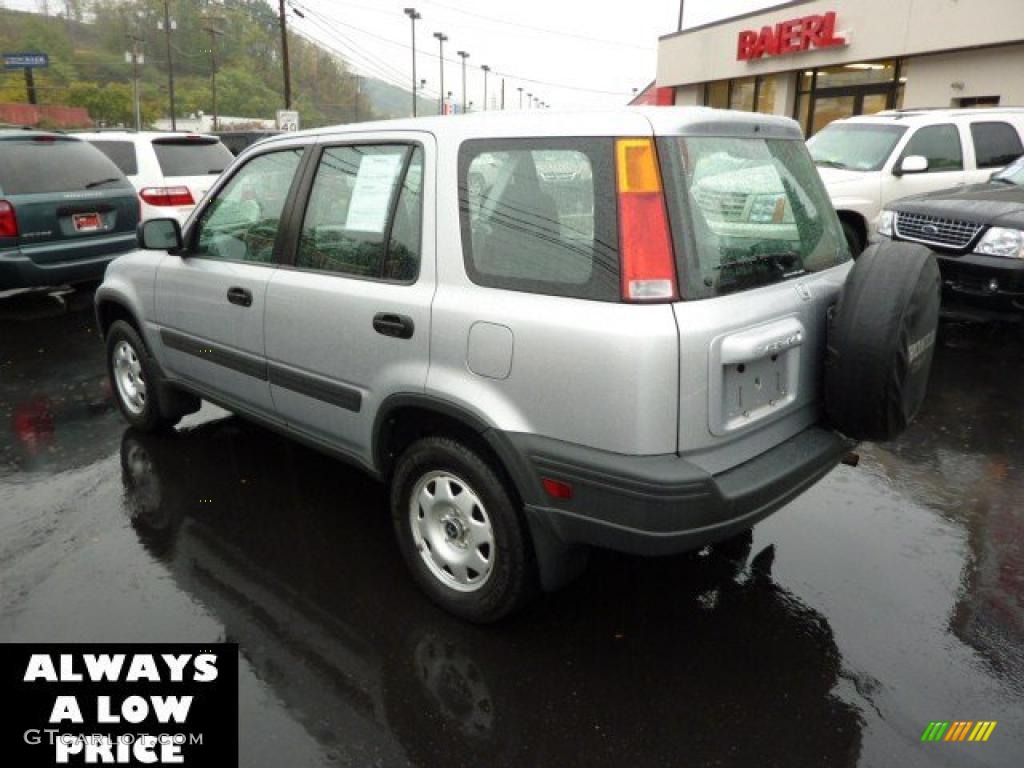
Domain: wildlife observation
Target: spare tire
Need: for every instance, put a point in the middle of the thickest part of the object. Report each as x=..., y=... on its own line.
x=881, y=341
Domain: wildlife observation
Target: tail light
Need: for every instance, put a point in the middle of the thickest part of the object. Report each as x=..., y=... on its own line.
x=167, y=196
x=648, y=264
x=8, y=220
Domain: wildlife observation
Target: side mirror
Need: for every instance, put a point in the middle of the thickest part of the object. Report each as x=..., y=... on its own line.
x=160, y=235
x=912, y=164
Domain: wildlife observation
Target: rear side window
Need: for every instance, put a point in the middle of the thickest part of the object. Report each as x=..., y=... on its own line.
x=122, y=153
x=191, y=156
x=746, y=213
x=940, y=144
x=41, y=165
x=365, y=212
x=995, y=144
x=538, y=215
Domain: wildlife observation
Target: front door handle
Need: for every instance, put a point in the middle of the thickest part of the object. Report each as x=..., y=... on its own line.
x=240, y=296
x=389, y=324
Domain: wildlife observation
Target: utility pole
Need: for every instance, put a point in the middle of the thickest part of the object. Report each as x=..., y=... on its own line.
x=520, y=89
x=284, y=59
x=413, y=14
x=170, y=61
x=214, y=34
x=503, y=93
x=485, y=70
x=681, y=4
x=358, y=93
x=463, y=55
x=441, y=37
x=136, y=58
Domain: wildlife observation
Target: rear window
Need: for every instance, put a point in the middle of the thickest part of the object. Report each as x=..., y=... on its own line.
x=538, y=215
x=747, y=213
x=40, y=165
x=995, y=144
x=191, y=156
x=122, y=153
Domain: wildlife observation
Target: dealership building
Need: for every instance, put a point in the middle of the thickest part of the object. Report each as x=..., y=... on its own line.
x=821, y=60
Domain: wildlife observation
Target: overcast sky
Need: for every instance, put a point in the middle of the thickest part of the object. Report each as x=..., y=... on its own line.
x=569, y=53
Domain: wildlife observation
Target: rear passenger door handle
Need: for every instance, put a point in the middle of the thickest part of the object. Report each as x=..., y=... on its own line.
x=239, y=296
x=398, y=326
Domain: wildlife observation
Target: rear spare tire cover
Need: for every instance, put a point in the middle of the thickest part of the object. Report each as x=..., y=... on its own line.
x=881, y=340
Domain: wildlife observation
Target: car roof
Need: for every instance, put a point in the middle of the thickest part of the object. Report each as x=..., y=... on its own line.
x=28, y=133
x=145, y=135
x=622, y=121
x=928, y=116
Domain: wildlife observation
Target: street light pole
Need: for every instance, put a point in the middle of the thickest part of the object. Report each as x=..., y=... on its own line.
x=136, y=57
x=463, y=55
x=441, y=37
x=413, y=14
x=529, y=100
x=170, y=63
x=485, y=69
x=423, y=84
x=520, y=89
x=214, y=34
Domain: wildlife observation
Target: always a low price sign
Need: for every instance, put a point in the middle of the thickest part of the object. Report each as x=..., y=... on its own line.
x=119, y=705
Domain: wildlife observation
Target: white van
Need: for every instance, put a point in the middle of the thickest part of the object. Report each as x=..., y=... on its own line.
x=867, y=162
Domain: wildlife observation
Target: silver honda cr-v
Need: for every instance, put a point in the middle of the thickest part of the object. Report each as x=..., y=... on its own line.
x=635, y=329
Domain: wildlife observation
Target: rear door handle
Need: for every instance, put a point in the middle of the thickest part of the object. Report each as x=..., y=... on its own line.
x=239, y=296
x=389, y=324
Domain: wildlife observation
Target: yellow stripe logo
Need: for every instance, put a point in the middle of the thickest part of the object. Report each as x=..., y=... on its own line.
x=958, y=730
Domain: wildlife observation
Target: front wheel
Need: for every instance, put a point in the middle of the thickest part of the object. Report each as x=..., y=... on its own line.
x=131, y=374
x=460, y=531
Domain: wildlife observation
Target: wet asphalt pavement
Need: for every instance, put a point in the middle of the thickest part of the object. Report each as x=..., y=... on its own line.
x=886, y=597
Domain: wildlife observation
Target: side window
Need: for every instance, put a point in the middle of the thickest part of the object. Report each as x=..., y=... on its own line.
x=539, y=215
x=241, y=223
x=122, y=153
x=940, y=144
x=995, y=144
x=365, y=212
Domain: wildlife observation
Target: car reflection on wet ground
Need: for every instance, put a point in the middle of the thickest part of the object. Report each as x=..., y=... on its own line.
x=888, y=596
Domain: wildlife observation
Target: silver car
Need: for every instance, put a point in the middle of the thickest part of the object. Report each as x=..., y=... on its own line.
x=600, y=345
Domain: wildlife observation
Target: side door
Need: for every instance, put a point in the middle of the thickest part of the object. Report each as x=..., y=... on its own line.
x=941, y=145
x=348, y=315
x=210, y=300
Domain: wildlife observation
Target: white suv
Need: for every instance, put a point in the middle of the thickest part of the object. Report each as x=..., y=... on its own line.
x=867, y=162
x=170, y=171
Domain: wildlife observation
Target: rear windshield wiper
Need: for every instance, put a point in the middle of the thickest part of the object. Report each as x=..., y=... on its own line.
x=832, y=164
x=92, y=184
x=216, y=170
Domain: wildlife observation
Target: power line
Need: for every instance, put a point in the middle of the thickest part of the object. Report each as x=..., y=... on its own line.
x=545, y=30
x=389, y=41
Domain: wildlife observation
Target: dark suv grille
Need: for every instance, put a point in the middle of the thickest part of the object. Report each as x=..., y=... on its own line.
x=934, y=230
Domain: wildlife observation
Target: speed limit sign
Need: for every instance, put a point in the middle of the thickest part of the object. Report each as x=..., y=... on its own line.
x=287, y=120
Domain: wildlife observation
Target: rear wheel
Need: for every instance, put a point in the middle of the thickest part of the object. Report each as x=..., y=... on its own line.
x=134, y=385
x=460, y=531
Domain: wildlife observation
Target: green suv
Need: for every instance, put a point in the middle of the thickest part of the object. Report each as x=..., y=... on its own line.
x=65, y=210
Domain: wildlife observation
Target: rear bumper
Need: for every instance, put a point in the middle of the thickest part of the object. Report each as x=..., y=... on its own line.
x=19, y=271
x=658, y=505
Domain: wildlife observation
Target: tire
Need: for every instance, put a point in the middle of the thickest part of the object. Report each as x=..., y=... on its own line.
x=133, y=381
x=853, y=238
x=469, y=550
x=881, y=341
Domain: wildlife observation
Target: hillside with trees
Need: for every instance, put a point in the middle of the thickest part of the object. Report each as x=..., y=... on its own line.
x=87, y=44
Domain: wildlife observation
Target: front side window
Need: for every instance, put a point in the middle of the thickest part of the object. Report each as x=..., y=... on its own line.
x=854, y=146
x=747, y=213
x=538, y=215
x=995, y=144
x=364, y=216
x=940, y=144
x=242, y=221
